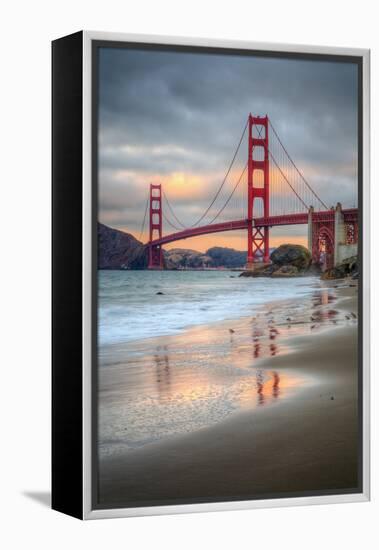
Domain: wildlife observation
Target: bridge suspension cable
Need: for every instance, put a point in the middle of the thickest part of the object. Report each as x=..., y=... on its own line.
x=172, y=210
x=225, y=178
x=170, y=223
x=144, y=219
x=296, y=168
x=280, y=170
x=286, y=175
x=230, y=196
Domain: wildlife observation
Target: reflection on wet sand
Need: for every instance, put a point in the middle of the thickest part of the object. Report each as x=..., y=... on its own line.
x=163, y=374
x=275, y=385
x=268, y=387
x=179, y=384
x=260, y=386
x=323, y=297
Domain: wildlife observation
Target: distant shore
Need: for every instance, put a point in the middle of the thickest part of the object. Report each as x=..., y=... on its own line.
x=298, y=432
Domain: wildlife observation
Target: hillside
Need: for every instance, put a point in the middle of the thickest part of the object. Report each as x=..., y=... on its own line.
x=179, y=258
x=119, y=250
x=226, y=257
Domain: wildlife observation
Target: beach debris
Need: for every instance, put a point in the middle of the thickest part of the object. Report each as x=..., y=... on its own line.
x=353, y=315
x=332, y=398
x=159, y=293
x=313, y=326
x=289, y=319
x=313, y=318
x=347, y=317
x=232, y=331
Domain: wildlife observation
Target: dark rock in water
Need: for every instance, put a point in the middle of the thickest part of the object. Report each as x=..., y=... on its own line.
x=286, y=271
x=288, y=260
x=294, y=255
x=259, y=271
x=159, y=293
x=348, y=268
x=314, y=269
x=119, y=250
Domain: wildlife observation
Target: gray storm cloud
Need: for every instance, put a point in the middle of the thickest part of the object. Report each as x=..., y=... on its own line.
x=162, y=113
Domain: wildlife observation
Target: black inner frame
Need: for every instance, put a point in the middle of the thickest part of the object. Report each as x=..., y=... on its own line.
x=358, y=61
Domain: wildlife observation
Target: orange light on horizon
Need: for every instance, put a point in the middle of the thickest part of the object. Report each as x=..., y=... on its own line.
x=237, y=240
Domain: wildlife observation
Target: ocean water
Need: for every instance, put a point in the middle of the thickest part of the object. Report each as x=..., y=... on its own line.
x=130, y=308
x=158, y=380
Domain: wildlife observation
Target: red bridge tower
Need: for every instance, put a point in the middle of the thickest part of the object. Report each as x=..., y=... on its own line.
x=155, y=251
x=257, y=188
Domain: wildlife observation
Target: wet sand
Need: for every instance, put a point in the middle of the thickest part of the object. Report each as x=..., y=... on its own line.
x=292, y=426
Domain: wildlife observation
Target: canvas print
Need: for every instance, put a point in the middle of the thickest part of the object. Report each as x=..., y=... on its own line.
x=228, y=275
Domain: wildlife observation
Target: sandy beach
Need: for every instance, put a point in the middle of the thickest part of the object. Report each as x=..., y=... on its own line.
x=274, y=413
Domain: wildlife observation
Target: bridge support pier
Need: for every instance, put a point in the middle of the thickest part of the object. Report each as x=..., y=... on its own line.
x=339, y=233
x=332, y=236
x=155, y=257
x=310, y=228
x=155, y=221
x=345, y=236
x=257, y=189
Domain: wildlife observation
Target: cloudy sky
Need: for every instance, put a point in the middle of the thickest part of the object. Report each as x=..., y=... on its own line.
x=175, y=119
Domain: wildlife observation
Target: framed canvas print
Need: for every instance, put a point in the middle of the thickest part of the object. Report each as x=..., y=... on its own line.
x=210, y=275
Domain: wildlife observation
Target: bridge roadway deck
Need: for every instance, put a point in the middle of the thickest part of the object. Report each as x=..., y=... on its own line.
x=350, y=215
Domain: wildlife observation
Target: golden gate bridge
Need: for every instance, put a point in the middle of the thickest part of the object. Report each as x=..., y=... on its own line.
x=269, y=190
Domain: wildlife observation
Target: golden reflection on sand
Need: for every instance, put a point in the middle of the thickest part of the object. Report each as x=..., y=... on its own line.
x=158, y=387
x=256, y=387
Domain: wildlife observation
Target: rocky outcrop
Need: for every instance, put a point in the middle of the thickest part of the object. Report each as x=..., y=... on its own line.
x=288, y=260
x=119, y=250
x=347, y=268
x=294, y=255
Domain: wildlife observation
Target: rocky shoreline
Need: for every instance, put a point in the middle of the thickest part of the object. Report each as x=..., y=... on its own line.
x=120, y=250
x=288, y=260
x=293, y=260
